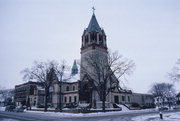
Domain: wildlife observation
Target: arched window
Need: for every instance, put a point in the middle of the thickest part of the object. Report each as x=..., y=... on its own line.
x=100, y=39
x=75, y=99
x=51, y=89
x=70, y=99
x=94, y=36
x=65, y=99
x=67, y=88
x=86, y=39
x=74, y=88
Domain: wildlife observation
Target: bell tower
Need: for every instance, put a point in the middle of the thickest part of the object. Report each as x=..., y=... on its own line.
x=93, y=40
x=93, y=37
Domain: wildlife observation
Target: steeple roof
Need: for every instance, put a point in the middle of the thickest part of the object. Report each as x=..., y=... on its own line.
x=74, y=69
x=93, y=24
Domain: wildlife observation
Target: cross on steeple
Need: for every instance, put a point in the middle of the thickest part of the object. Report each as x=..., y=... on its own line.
x=93, y=24
x=93, y=9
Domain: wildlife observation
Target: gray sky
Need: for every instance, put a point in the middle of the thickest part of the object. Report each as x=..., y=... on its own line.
x=146, y=31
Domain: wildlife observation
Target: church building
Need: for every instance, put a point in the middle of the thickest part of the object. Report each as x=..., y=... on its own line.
x=83, y=85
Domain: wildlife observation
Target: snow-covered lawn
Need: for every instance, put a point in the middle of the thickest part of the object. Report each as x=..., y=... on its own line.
x=166, y=117
x=148, y=117
x=2, y=108
x=8, y=120
x=124, y=108
x=63, y=114
x=58, y=114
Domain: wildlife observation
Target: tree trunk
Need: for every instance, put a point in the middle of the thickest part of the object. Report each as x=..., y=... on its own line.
x=46, y=99
x=103, y=101
x=169, y=103
x=104, y=98
x=60, y=98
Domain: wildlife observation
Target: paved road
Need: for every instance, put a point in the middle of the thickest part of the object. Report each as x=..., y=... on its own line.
x=28, y=116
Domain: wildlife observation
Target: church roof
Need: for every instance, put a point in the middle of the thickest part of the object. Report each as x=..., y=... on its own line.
x=178, y=95
x=68, y=77
x=74, y=76
x=74, y=69
x=93, y=24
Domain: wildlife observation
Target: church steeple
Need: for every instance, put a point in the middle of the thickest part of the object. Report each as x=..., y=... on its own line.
x=93, y=24
x=93, y=36
x=93, y=41
x=74, y=69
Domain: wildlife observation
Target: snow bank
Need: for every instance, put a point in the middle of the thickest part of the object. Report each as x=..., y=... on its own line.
x=166, y=117
x=2, y=108
x=83, y=105
x=62, y=114
x=124, y=108
x=9, y=120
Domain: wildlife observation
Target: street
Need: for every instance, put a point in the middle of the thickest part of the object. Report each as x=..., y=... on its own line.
x=29, y=116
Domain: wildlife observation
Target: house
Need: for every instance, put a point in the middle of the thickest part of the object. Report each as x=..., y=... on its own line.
x=23, y=92
x=143, y=100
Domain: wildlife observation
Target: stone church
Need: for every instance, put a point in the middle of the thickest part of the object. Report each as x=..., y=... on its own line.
x=79, y=86
x=94, y=48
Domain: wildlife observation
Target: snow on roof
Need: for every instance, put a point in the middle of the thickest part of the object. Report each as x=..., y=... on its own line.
x=68, y=77
x=1, y=98
x=39, y=87
x=178, y=95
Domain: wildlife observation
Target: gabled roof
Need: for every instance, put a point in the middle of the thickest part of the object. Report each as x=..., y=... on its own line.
x=69, y=78
x=93, y=24
x=178, y=95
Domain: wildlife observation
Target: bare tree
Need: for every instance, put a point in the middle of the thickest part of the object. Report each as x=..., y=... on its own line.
x=175, y=74
x=105, y=72
x=42, y=72
x=6, y=96
x=163, y=91
x=46, y=72
x=170, y=94
x=60, y=70
x=2, y=95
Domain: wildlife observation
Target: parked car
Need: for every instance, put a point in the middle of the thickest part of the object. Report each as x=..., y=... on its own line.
x=19, y=109
x=25, y=107
x=41, y=106
x=163, y=108
x=9, y=108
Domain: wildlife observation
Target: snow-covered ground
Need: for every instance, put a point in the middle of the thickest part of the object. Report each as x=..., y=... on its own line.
x=149, y=117
x=8, y=119
x=166, y=117
x=58, y=114
x=2, y=108
x=124, y=108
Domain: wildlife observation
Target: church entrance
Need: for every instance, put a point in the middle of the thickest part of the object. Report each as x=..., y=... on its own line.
x=86, y=93
x=116, y=99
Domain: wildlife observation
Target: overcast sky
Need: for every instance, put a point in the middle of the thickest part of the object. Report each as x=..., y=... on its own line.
x=146, y=31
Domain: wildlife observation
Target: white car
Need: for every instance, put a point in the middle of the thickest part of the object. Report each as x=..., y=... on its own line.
x=19, y=109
